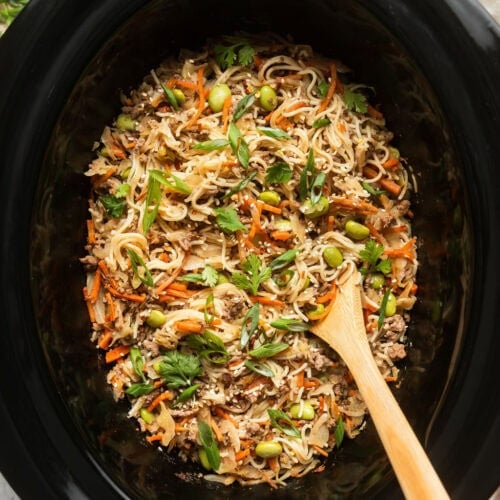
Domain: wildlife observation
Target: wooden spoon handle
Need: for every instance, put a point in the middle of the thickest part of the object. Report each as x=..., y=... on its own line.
x=415, y=473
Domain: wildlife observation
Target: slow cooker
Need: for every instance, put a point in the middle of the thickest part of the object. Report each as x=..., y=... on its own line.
x=435, y=66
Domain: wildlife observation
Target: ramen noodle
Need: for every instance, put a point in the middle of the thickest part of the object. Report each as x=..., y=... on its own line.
x=231, y=198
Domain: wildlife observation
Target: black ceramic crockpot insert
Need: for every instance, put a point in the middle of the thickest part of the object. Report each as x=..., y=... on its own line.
x=59, y=421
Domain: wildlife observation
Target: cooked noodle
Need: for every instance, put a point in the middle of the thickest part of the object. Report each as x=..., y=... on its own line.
x=160, y=241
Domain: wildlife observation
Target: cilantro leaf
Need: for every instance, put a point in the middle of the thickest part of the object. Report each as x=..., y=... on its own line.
x=371, y=255
x=178, y=369
x=113, y=205
x=207, y=277
x=355, y=101
x=278, y=173
x=240, y=186
x=384, y=266
x=256, y=274
x=245, y=55
x=225, y=56
x=227, y=219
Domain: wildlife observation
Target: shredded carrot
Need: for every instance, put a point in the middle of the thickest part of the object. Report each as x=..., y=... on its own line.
x=396, y=229
x=105, y=340
x=265, y=301
x=330, y=222
x=331, y=89
x=241, y=455
x=246, y=443
x=414, y=289
x=225, y=112
x=222, y=414
x=111, y=316
x=117, y=353
x=391, y=163
x=375, y=233
x=311, y=382
x=295, y=106
x=390, y=378
x=300, y=378
x=180, y=428
x=216, y=322
x=155, y=437
x=320, y=450
x=330, y=295
x=158, y=383
x=281, y=235
x=355, y=205
x=348, y=377
x=273, y=464
x=174, y=274
x=90, y=307
x=202, y=99
x=188, y=326
x=177, y=286
x=406, y=251
x=284, y=124
x=178, y=293
x=269, y=208
x=126, y=296
x=234, y=363
x=387, y=184
x=174, y=82
x=164, y=257
x=100, y=179
x=156, y=401
x=268, y=117
x=321, y=406
x=90, y=232
x=374, y=113
x=351, y=393
x=256, y=382
x=96, y=286
x=167, y=298
x=216, y=429
x=342, y=127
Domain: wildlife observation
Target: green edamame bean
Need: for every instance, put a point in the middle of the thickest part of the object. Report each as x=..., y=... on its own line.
x=306, y=414
x=156, y=319
x=147, y=416
x=394, y=152
x=312, y=211
x=377, y=281
x=270, y=197
x=268, y=98
x=104, y=151
x=179, y=96
x=333, y=256
x=356, y=231
x=390, y=306
x=217, y=96
x=268, y=449
x=125, y=122
x=202, y=455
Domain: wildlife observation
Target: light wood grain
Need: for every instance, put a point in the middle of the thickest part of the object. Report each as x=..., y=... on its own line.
x=344, y=330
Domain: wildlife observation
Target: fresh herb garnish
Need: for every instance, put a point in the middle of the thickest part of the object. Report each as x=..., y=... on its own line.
x=170, y=96
x=276, y=133
x=256, y=274
x=322, y=122
x=209, y=444
x=355, y=101
x=317, y=187
x=187, y=393
x=371, y=255
x=212, y=145
x=371, y=189
x=137, y=362
x=244, y=105
x=268, y=350
x=290, y=325
x=283, y=422
x=113, y=205
x=278, y=173
x=140, y=389
x=208, y=277
x=249, y=325
x=210, y=307
x=226, y=56
x=171, y=181
x=210, y=346
x=178, y=369
x=259, y=368
x=306, y=176
x=240, y=186
x=122, y=191
x=323, y=88
x=227, y=219
x=153, y=199
x=339, y=432
x=140, y=268
x=283, y=260
x=238, y=145
x=383, y=305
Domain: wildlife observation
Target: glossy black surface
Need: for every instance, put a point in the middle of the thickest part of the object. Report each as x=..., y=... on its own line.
x=58, y=424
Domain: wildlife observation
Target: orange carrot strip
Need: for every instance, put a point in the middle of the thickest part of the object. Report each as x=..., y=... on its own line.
x=387, y=184
x=201, y=101
x=396, y=229
x=327, y=296
x=390, y=378
x=321, y=406
x=96, y=286
x=258, y=381
x=391, y=163
x=325, y=312
x=341, y=127
x=167, y=298
x=295, y=106
x=270, y=208
x=180, y=428
x=246, y=443
x=177, y=286
x=154, y=437
x=174, y=82
x=174, y=274
x=330, y=223
x=225, y=112
x=355, y=205
x=265, y=301
x=188, y=326
x=90, y=307
x=178, y=293
x=331, y=89
x=311, y=382
x=285, y=124
x=321, y=451
x=414, y=289
x=111, y=316
x=105, y=340
x=90, y=232
x=374, y=113
x=241, y=455
x=216, y=429
x=117, y=353
x=407, y=250
x=100, y=179
x=375, y=233
x=156, y=401
x=164, y=257
x=222, y=414
x=126, y=296
x=273, y=464
x=300, y=379
x=281, y=235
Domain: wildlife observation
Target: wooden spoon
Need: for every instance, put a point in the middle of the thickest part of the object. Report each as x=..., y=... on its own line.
x=344, y=330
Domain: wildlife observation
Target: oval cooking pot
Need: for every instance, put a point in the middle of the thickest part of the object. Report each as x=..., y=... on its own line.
x=435, y=67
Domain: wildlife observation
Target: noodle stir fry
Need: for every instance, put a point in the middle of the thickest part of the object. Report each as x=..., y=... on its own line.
x=231, y=198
